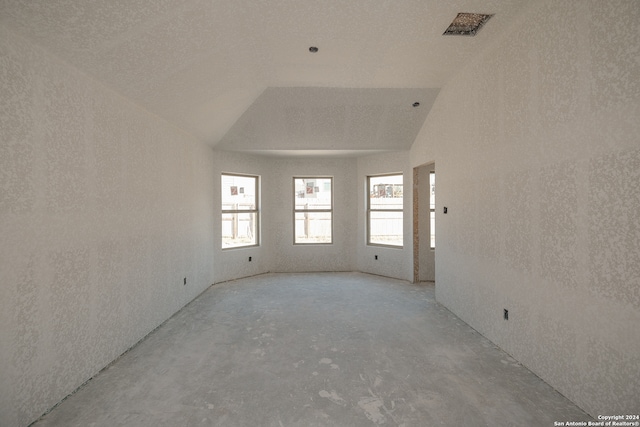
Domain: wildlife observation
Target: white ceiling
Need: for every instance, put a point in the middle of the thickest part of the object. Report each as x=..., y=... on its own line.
x=238, y=74
x=341, y=121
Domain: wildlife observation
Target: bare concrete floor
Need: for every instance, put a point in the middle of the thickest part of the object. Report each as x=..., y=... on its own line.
x=326, y=349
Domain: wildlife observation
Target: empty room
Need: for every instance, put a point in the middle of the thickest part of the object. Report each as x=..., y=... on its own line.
x=218, y=212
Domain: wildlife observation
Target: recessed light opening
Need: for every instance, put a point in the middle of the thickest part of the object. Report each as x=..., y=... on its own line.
x=416, y=104
x=313, y=49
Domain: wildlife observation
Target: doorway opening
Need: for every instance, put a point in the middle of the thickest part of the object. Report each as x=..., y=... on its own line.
x=424, y=223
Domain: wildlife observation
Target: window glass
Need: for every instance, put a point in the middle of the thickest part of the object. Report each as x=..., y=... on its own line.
x=313, y=210
x=240, y=213
x=385, y=210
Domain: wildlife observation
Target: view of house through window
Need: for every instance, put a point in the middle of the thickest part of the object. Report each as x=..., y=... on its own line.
x=432, y=207
x=313, y=210
x=240, y=213
x=384, y=210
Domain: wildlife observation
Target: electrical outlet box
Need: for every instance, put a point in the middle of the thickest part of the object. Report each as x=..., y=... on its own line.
x=506, y=314
x=375, y=256
x=249, y=259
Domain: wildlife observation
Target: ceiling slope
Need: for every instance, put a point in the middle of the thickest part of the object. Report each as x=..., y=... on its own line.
x=203, y=64
x=331, y=120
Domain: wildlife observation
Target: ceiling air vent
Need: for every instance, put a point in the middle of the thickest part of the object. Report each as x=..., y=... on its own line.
x=467, y=24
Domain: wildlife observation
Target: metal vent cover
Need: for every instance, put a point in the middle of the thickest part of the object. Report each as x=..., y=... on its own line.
x=467, y=24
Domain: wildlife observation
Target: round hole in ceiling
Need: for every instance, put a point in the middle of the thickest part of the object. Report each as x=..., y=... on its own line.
x=416, y=104
x=313, y=49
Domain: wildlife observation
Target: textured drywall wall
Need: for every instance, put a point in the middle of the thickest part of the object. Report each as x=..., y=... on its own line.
x=537, y=144
x=349, y=251
x=104, y=209
x=234, y=263
x=283, y=255
x=391, y=262
x=276, y=251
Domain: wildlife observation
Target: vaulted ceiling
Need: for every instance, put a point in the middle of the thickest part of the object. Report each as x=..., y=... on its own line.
x=238, y=74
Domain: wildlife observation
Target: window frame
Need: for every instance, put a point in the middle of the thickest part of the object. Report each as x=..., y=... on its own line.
x=255, y=211
x=370, y=210
x=296, y=211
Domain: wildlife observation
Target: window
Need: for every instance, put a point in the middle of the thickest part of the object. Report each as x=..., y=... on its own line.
x=385, y=210
x=432, y=208
x=313, y=210
x=240, y=211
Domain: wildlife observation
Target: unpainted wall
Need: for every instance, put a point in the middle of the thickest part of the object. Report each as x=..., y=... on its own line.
x=349, y=251
x=537, y=144
x=278, y=233
x=391, y=262
x=276, y=252
x=104, y=210
x=234, y=263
